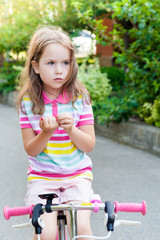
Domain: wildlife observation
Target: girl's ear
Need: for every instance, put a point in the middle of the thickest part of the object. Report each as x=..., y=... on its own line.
x=35, y=66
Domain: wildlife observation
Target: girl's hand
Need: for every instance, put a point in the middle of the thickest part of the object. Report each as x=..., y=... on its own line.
x=65, y=121
x=48, y=124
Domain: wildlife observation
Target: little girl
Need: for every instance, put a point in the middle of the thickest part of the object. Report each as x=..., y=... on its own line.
x=56, y=121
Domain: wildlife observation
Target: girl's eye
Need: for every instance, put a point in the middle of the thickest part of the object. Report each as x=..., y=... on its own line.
x=66, y=62
x=50, y=63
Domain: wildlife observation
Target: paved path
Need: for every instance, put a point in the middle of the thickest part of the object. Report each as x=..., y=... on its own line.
x=120, y=172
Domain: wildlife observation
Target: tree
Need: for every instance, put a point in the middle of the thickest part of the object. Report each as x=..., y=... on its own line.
x=66, y=16
x=21, y=17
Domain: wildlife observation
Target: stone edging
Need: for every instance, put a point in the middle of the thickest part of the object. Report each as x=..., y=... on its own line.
x=133, y=133
x=9, y=98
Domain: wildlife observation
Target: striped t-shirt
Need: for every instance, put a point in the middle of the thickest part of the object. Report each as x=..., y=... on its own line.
x=61, y=158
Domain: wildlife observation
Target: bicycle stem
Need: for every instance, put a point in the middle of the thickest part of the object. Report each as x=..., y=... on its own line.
x=61, y=221
x=73, y=223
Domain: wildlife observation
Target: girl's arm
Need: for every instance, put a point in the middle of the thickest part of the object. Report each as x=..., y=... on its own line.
x=83, y=137
x=35, y=144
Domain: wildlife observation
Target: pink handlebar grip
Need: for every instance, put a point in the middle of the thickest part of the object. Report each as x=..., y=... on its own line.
x=130, y=207
x=19, y=211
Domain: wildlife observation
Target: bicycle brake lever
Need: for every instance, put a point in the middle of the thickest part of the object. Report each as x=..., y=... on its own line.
x=127, y=223
x=23, y=225
x=29, y=224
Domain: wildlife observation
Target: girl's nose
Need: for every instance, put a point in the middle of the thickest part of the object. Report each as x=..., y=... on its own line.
x=58, y=69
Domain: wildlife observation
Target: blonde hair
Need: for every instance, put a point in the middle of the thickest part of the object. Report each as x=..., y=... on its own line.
x=31, y=83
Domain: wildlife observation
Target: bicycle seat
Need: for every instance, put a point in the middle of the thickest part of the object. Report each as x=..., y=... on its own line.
x=48, y=196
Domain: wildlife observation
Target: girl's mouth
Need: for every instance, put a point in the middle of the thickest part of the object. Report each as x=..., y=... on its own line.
x=58, y=79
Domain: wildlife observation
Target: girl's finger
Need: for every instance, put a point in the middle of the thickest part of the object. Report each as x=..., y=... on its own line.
x=41, y=122
x=63, y=121
x=50, y=120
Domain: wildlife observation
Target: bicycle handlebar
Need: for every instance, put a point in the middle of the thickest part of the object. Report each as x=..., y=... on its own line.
x=123, y=207
x=18, y=211
x=130, y=207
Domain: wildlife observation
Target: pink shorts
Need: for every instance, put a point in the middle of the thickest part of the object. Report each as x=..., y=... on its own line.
x=77, y=189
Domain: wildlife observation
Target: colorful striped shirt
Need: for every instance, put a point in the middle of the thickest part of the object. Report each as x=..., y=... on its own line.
x=61, y=158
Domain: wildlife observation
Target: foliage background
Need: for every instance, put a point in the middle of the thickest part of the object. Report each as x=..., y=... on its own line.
x=20, y=18
x=135, y=38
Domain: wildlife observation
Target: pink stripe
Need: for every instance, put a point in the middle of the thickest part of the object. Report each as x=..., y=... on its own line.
x=86, y=122
x=57, y=131
x=56, y=138
x=25, y=126
x=61, y=131
x=37, y=131
x=54, y=109
x=58, y=175
x=23, y=119
x=86, y=116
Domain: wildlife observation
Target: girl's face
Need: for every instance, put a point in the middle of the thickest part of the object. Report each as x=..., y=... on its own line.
x=53, y=67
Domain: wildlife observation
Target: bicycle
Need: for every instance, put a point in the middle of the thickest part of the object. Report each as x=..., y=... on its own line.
x=110, y=208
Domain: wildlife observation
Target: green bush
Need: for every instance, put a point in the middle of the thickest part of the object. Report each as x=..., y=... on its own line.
x=151, y=112
x=95, y=81
x=116, y=75
x=108, y=106
x=115, y=109
x=9, y=76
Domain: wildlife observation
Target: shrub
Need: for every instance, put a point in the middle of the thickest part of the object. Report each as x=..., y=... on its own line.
x=115, y=109
x=9, y=77
x=116, y=75
x=108, y=106
x=151, y=112
x=96, y=82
